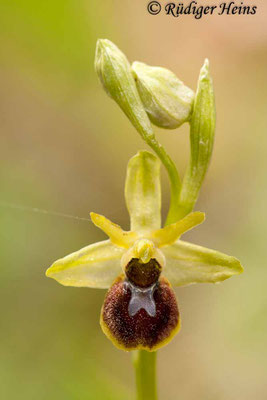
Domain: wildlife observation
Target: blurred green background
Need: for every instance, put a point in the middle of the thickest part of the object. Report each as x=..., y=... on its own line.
x=64, y=147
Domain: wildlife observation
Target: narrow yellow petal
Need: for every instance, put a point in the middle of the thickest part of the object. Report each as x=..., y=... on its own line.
x=117, y=235
x=171, y=233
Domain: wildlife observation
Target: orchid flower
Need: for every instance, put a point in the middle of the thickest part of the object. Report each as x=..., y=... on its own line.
x=140, y=266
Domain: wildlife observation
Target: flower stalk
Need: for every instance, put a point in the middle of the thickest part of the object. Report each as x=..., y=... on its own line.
x=145, y=374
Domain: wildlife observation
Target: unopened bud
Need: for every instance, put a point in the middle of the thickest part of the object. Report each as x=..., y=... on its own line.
x=111, y=66
x=115, y=74
x=167, y=101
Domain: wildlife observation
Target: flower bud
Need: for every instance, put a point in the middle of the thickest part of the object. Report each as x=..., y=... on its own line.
x=115, y=74
x=167, y=101
x=111, y=66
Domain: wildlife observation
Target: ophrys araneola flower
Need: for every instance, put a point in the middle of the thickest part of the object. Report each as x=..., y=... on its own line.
x=139, y=266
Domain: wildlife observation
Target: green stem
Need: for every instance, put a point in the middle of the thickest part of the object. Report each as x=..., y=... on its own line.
x=145, y=372
x=173, y=176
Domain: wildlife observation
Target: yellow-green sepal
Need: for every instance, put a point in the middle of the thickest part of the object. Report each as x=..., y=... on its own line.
x=188, y=263
x=94, y=266
x=143, y=192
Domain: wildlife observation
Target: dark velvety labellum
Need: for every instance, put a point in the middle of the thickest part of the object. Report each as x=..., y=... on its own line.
x=141, y=329
x=143, y=275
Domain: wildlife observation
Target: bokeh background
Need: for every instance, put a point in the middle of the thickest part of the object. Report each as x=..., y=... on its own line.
x=64, y=147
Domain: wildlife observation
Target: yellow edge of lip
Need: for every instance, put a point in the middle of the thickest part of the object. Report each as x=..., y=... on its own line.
x=120, y=346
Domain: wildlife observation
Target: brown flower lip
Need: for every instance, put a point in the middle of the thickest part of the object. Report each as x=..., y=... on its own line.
x=141, y=330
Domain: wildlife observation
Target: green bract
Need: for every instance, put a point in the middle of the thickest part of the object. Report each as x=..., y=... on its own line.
x=202, y=130
x=167, y=101
x=182, y=263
